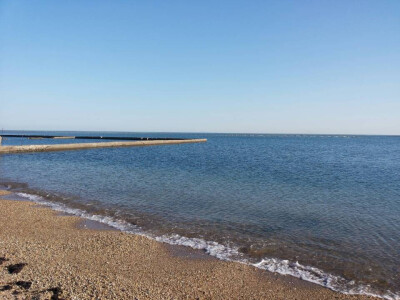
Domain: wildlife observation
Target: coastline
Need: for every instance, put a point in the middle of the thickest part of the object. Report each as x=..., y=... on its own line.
x=67, y=260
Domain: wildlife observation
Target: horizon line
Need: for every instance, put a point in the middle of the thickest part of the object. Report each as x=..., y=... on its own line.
x=205, y=132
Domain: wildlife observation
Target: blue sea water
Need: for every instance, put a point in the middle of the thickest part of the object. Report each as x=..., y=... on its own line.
x=325, y=208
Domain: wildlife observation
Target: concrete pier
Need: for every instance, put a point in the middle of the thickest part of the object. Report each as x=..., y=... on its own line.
x=81, y=146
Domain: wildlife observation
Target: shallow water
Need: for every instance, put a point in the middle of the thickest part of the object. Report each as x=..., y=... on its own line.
x=329, y=203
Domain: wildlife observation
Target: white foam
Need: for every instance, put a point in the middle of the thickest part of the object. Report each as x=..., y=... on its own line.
x=320, y=277
x=226, y=253
x=121, y=225
x=212, y=248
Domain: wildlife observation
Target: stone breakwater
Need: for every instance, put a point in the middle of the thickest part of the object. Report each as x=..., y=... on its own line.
x=81, y=146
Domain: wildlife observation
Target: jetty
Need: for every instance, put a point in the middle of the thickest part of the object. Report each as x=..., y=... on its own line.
x=113, y=141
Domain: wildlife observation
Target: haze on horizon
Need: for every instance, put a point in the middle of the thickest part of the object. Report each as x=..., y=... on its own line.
x=177, y=66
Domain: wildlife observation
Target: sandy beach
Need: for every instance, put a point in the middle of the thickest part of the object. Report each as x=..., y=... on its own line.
x=47, y=256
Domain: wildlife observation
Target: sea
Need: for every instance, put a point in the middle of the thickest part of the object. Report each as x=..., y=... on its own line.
x=323, y=208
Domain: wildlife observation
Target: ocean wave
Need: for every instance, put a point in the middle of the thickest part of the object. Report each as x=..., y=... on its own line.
x=212, y=248
x=318, y=276
x=222, y=252
x=117, y=224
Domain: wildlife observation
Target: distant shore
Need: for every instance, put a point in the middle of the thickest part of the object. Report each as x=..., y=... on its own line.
x=46, y=255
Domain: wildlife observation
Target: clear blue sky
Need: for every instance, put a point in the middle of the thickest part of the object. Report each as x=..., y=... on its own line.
x=201, y=66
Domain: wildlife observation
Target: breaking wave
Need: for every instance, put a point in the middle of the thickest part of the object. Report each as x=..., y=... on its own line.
x=222, y=252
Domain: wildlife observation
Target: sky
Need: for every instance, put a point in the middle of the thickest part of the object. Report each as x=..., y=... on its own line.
x=201, y=66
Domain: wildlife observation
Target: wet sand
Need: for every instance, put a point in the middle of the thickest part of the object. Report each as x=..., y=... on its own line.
x=47, y=256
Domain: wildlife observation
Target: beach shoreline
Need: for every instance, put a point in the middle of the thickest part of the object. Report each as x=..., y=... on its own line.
x=68, y=260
